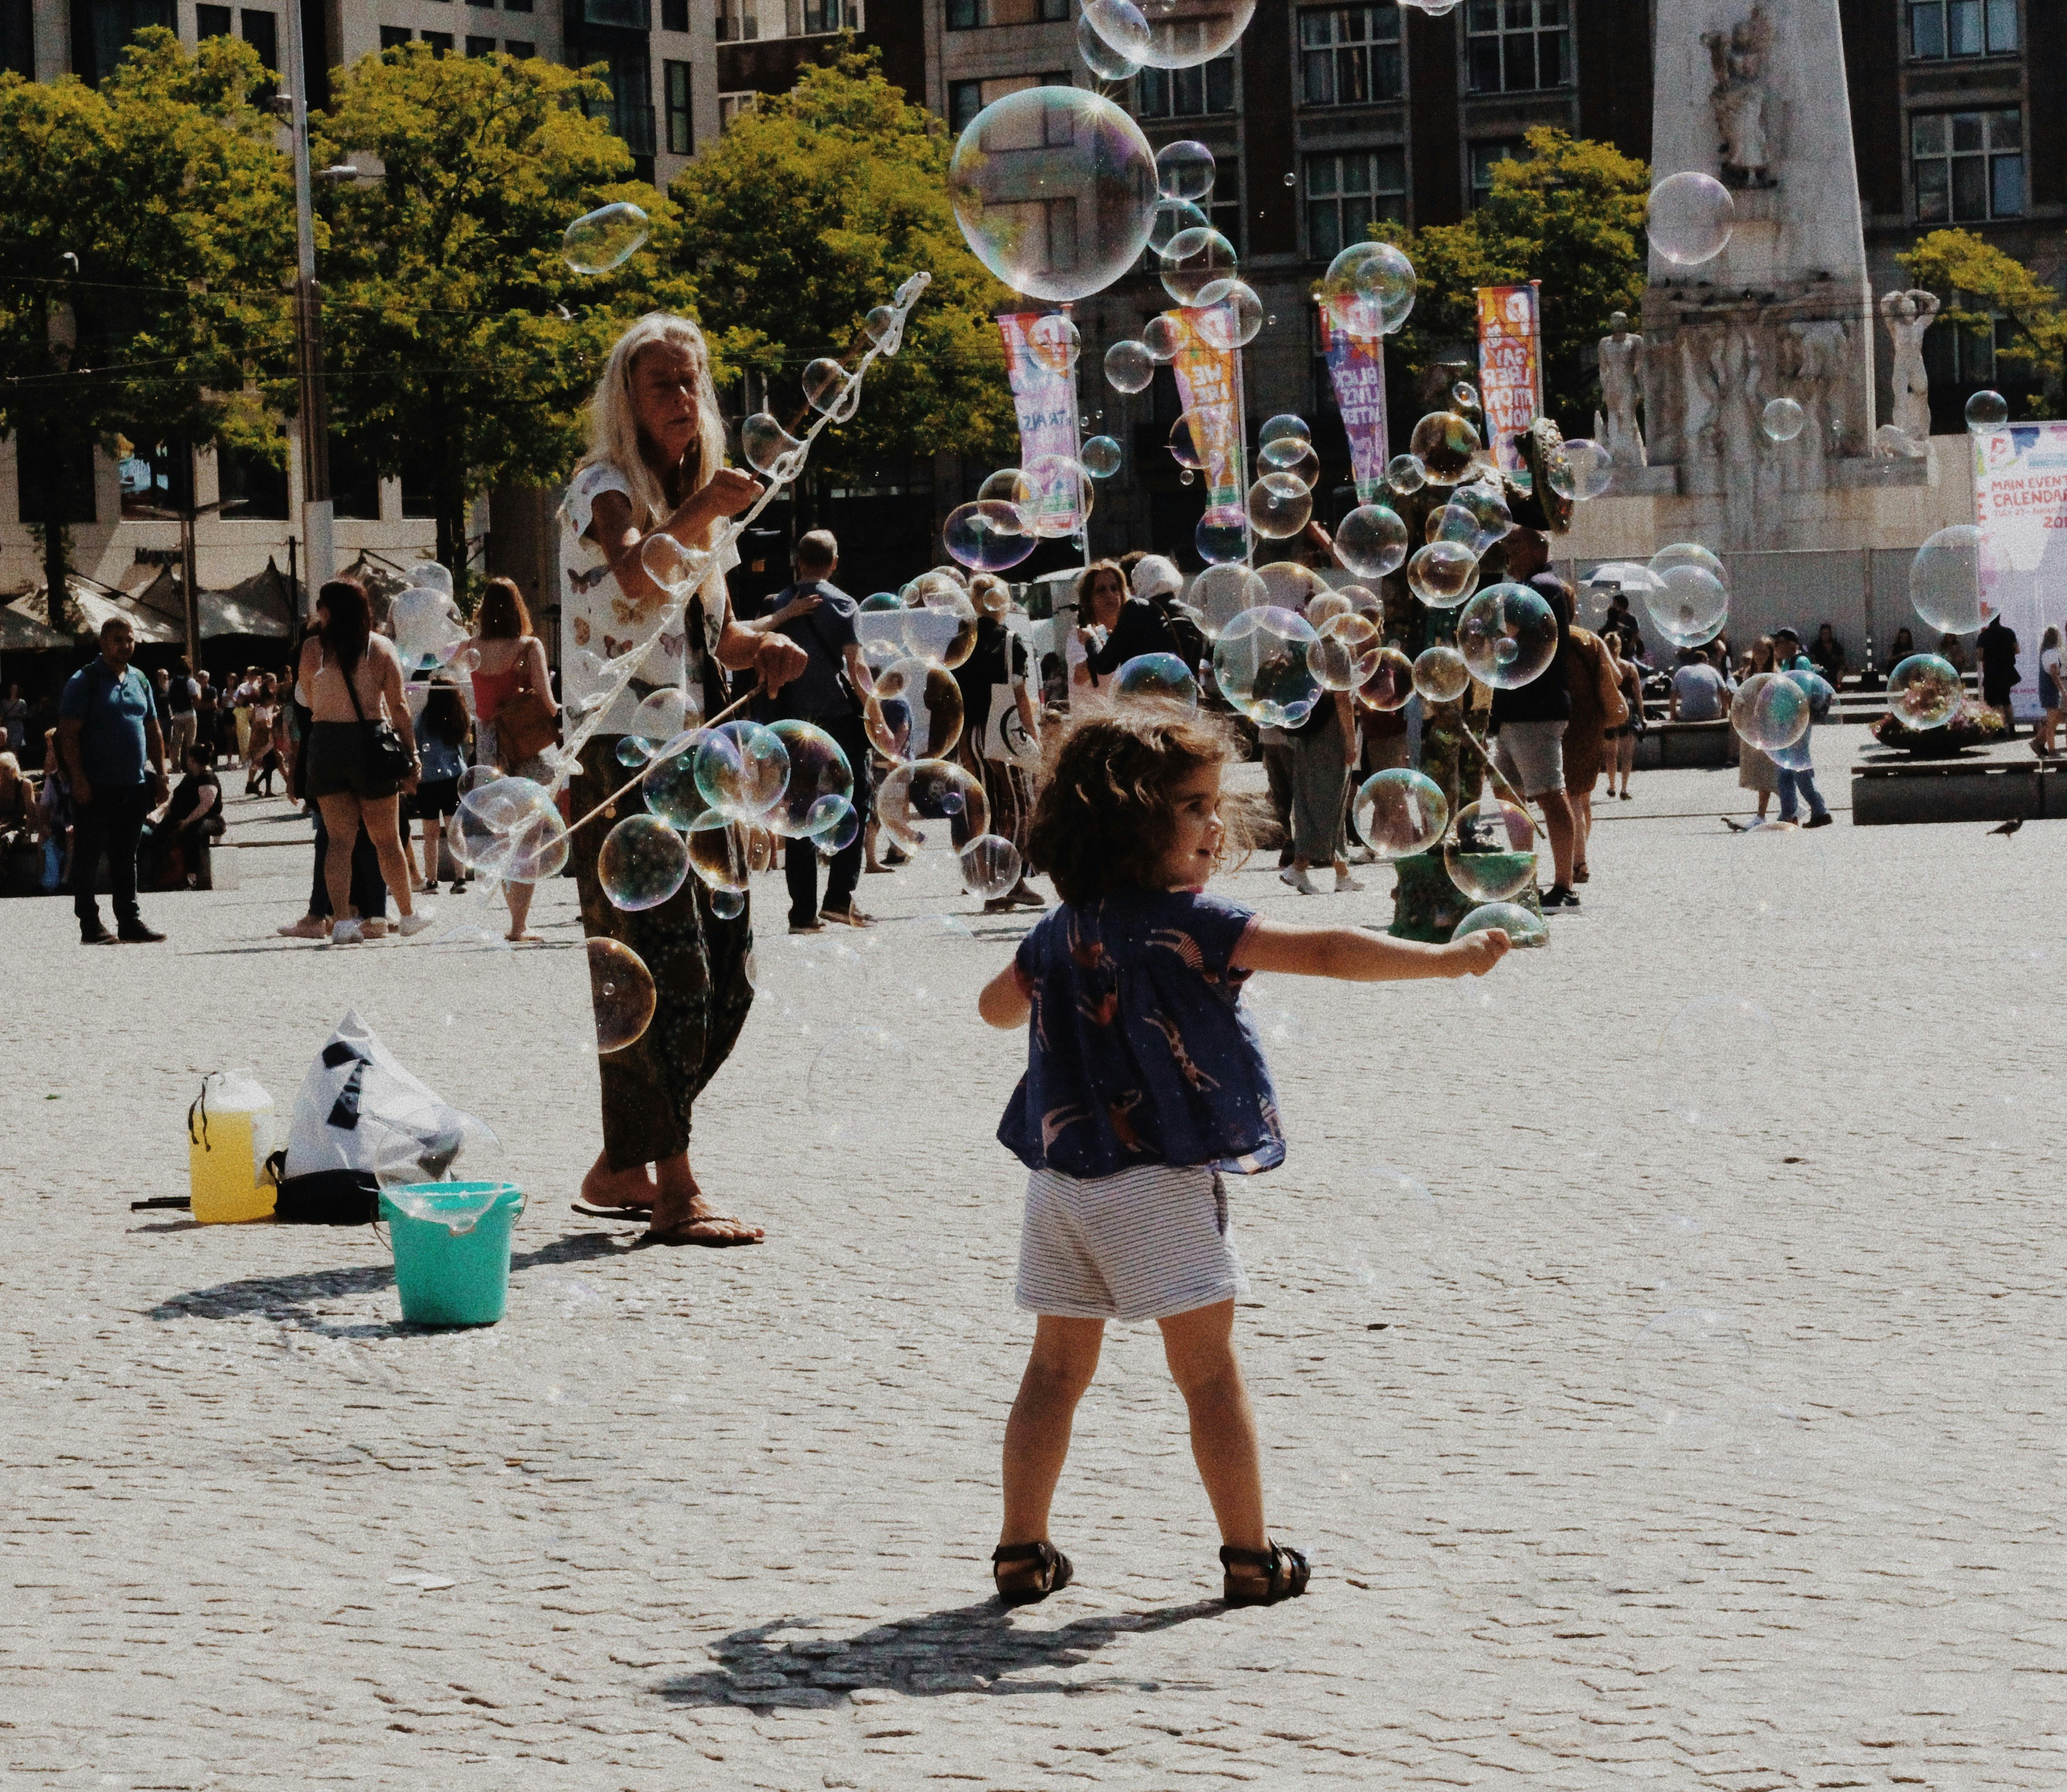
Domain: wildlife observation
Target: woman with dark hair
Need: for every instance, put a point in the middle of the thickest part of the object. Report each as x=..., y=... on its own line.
x=354, y=681
x=441, y=745
x=510, y=665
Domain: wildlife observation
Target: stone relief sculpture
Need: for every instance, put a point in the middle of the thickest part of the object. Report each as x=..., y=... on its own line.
x=1740, y=100
x=1621, y=359
x=1908, y=315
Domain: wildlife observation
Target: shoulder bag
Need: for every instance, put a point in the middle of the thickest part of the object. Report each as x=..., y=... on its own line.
x=525, y=724
x=386, y=761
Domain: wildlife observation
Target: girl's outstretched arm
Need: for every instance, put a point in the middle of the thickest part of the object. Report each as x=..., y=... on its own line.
x=1003, y=1003
x=1358, y=956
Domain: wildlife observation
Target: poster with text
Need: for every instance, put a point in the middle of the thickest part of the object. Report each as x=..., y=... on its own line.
x=1356, y=370
x=1046, y=402
x=1209, y=387
x=2020, y=503
x=1510, y=366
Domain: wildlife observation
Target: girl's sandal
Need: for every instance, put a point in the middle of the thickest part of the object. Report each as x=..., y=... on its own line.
x=1027, y=1573
x=1264, y=1576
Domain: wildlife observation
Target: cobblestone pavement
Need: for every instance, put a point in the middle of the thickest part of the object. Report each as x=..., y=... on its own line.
x=691, y=1518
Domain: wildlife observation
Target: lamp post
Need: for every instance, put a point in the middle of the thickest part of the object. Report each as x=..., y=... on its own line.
x=321, y=555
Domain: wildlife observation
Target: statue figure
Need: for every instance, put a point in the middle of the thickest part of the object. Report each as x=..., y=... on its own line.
x=1908, y=315
x=1621, y=353
x=1739, y=98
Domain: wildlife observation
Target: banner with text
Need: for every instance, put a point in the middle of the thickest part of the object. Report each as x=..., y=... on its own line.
x=2020, y=502
x=1356, y=369
x=1209, y=387
x=1510, y=366
x=1046, y=402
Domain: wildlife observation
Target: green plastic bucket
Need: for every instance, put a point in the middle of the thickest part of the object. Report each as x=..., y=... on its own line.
x=446, y=1277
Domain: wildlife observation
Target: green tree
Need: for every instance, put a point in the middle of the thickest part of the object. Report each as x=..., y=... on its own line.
x=455, y=331
x=1982, y=287
x=1570, y=215
x=150, y=228
x=809, y=211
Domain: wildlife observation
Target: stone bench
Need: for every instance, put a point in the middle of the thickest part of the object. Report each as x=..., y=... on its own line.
x=1897, y=791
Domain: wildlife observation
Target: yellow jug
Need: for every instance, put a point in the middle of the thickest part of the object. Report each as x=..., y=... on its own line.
x=229, y=1131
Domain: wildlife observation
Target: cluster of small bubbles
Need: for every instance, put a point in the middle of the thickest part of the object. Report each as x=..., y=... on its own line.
x=1405, y=473
x=1104, y=173
x=620, y=993
x=1368, y=290
x=1163, y=678
x=1129, y=366
x=641, y=863
x=988, y=537
x=820, y=788
x=1523, y=927
x=742, y=769
x=1196, y=259
x=1690, y=218
x=1260, y=662
x=990, y=865
x=1945, y=580
x=1232, y=317
x=1441, y=674
x=1184, y=170
x=1924, y=691
x=1490, y=850
x=1986, y=410
x=1102, y=456
x=927, y=791
x=1400, y=812
x=1442, y=574
x=1508, y=635
x=1690, y=601
x=1162, y=336
x=1390, y=684
x=1347, y=651
x=606, y=238
x=1446, y=446
x=1769, y=711
x=1715, y=1065
x=1279, y=506
x=1782, y=420
x=1580, y=470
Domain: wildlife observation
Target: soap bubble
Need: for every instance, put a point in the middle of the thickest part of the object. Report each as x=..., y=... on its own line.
x=1490, y=852
x=674, y=566
x=1690, y=217
x=620, y=993
x=1325, y=606
x=1305, y=467
x=1715, y=1065
x=1508, y=635
x=1691, y=601
x=1492, y=521
x=608, y=238
x=1183, y=170
x=1818, y=689
x=1195, y=259
x=1183, y=33
x=1007, y=485
x=988, y=537
x=1173, y=217
x=727, y=904
x=427, y=630
x=1089, y=162
x=1162, y=676
x=641, y=863
x=1259, y=662
x=1442, y=574
x=918, y=712
x=1389, y=683
x=941, y=631
x=1061, y=496
x=1188, y=439
x=1688, y=554
x=1924, y=691
x=509, y=828
x=1290, y=586
x=1440, y=674
x=1129, y=366
x=1945, y=580
x=767, y=445
x=1598, y=588
x=718, y=852
x=1782, y=419
x=1099, y=56
x=1446, y=445
x=1221, y=593
x=1454, y=522
x=860, y=1089
x=1580, y=470
x=1279, y=506
x=825, y=384
x=1464, y=395
x=1285, y=429
x=1769, y=711
x=1986, y=410
x=1405, y=473
x=1162, y=336
x=1222, y=534
x=1232, y=318
x=930, y=790
x=1102, y=456
x=431, y=1142
x=1368, y=290
x=741, y=768
x=884, y=327
x=1523, y=927
x=821, y=782
x=1054, y=342
x=1347, y=651
x=1400, y=812
x=429, y=576
x=671, y=788
x=990, y=865
x=663, y=715
x=632, y=752
x=474, y=776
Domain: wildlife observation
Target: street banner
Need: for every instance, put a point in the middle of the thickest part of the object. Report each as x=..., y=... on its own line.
x=1356, y=369
x=1046, y=402
x=2020, y=503
x=1510, y=366
x=1209, y=387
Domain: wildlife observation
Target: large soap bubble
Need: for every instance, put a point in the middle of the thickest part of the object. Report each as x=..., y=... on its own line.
x=1054, y=342
x=1129, y=366
x=1405, y=474
x=608, y=238
x=1390, y=683
x=988, y=537
x=620, y=993
x=1102, y=456
x=428, y=631
x=1223, y=534
x=1691, y=601
x=510, y=829
x=1400, y=812
x=1162, y=336
x=1490, y=853
x=1924, y=691
x=1782, y=419
x=1279, y=506
x=741, y=768
x=1195, y=260
x=990, y=865
x=821, y=783
x=1986, y=410
x=918, y=712
x=1347, y=652
x=641, y=863
x=1580, y=470
x=432, y=1143
x=1260, y=662
x=1945, y=580
x=1048, y=153
x=1099, y=56
x=1062, y=493
x=1442, y=574
x=1372, y=540
x=1170, y=33
x=1232, y=317
x=1508, y=635
x=1368, y=289
x=1769, y=711
x=942, y=630
x=719, y=853
x=1690, y=217
x=913, y=797
x=1523, y=927
x=1440, y=674
x=1221, y=593
x=767, y=445
x=1446, y=446
x=1184, y=170
x=1163, y=678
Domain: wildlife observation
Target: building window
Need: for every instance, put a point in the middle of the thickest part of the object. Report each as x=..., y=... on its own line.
x=731, y=105
x=816, y=17
x=481, y=46
x=681, y=138
x=966, y=99
x=102, y=29
x=970, y=15
x=54, y=475
x=738, y=21
x=1940, y=28
x=1967, y=166
x=1185, y=92
x=628, y=71
x=517, y=5
x=262, y=31
x=394, y=37
x=252, y=487
x=440, y=43
x=1963, y=357
x=1518, y=46
x=1349, y=55
x=513, y=47
x=674, y=15
x=1348, y=192
x=211, y=22
x=18, y=37
x=1484, y=158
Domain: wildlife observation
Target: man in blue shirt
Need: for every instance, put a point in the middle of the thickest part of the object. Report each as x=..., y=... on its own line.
x=115, y=755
